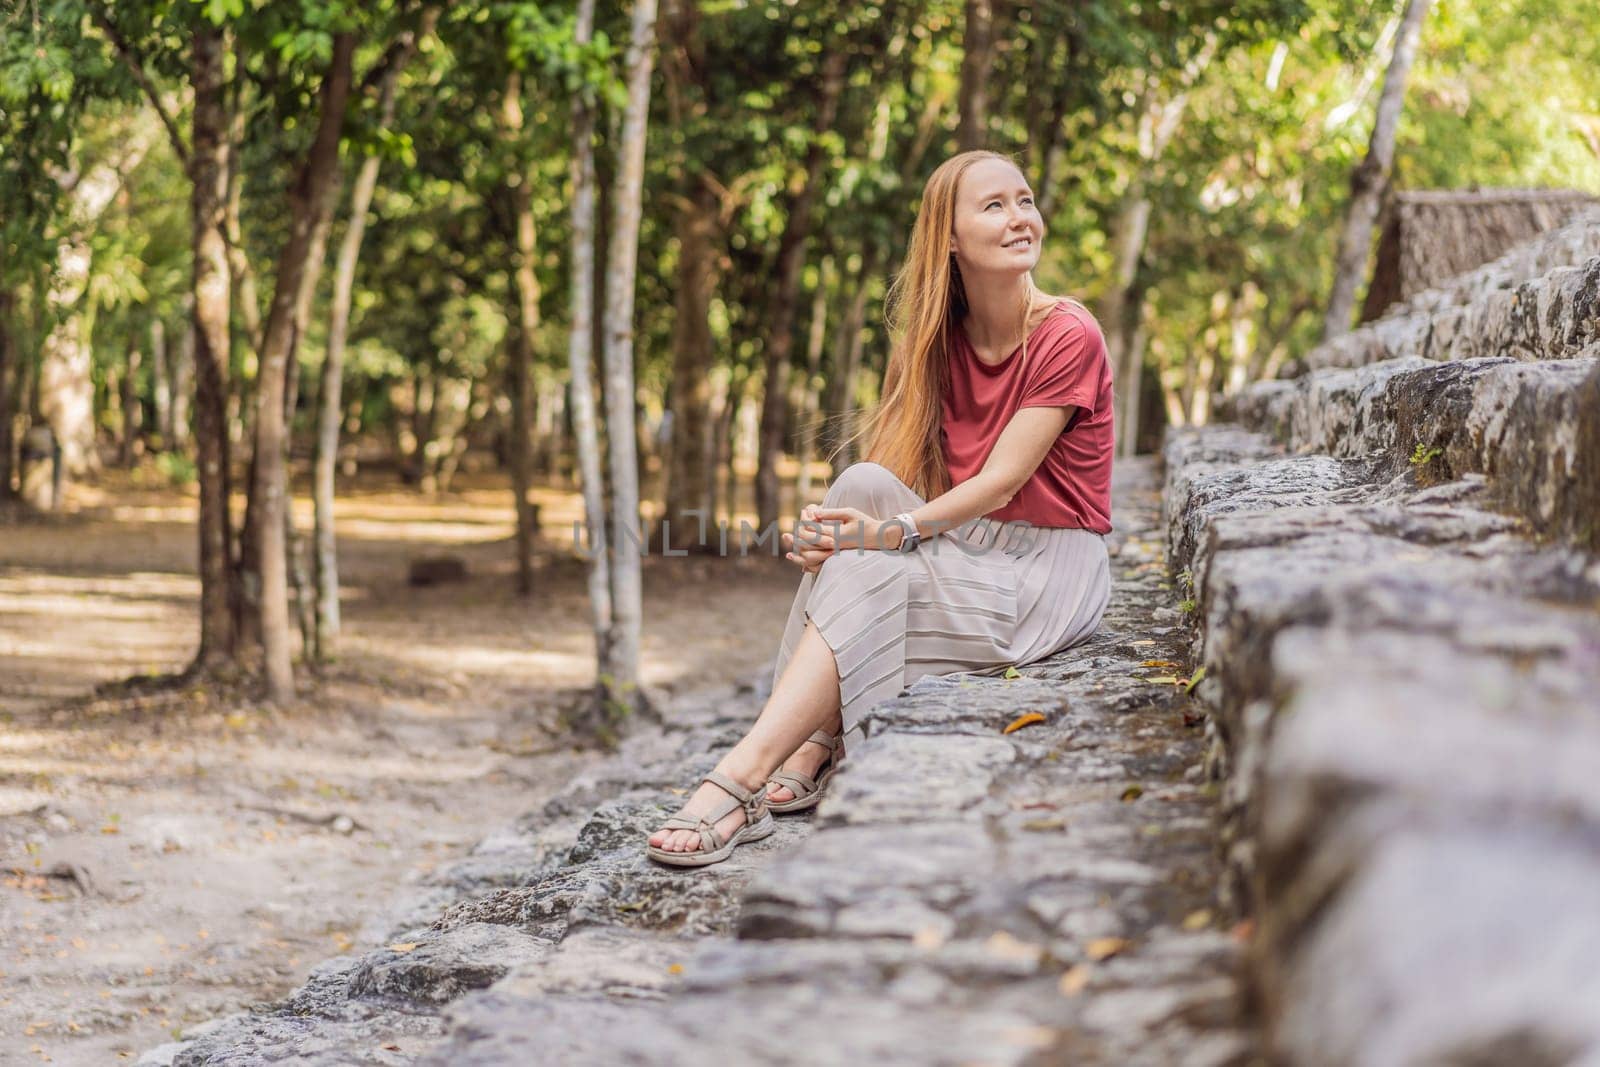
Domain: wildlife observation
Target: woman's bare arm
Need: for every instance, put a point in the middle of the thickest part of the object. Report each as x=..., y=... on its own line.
x=1022, y=446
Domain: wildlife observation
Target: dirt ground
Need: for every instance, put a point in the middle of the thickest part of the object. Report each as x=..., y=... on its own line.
x=166, y=857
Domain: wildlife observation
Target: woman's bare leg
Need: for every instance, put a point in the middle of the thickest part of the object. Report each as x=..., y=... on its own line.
x=804, y=699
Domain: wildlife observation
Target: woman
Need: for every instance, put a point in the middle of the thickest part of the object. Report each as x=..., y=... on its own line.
x=973, y=537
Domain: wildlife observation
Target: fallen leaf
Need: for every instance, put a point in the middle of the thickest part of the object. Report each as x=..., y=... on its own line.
x=1194, y=680
x=1007, y=947
x=1162, y=679
x=1103, y=948
x=928, y=938
x=402, y=947
x=1160, y=663
x=1074, y=980
x=1198, y=919
x=1012, y=672
x=1142, y=644
x=1023, y=720
x=676, y=968
x=1043, y=825
x=1132, y=792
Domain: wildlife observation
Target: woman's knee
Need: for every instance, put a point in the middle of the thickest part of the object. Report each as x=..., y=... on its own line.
x=859, y=485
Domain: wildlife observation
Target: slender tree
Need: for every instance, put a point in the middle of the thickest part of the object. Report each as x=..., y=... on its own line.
x=208, y=173
x=621, y=675
x=310, y=201
x=330, y=388
x=580, y=358
x=1371, y=176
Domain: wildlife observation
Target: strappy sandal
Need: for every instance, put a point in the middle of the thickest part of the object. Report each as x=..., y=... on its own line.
x=758, y=823
x=807, y=790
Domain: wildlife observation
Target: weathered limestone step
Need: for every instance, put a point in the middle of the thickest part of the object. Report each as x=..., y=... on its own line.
x=1403, y=704
x=1532, y=428
x=954, y=875
x=1539, y=301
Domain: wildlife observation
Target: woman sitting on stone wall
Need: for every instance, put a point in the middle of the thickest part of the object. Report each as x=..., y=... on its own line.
x=972, y=538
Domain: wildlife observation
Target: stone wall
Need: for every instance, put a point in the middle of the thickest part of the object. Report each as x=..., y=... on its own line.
x=1394, y=574
x=1537, y=301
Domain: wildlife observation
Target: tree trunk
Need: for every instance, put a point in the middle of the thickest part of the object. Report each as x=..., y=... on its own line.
x=183, y=378
x=809, y=405
x=692, y=358
x=1371, y=177
x=132, y=408
x=519, y=186
x=66, y=389
x=1119, y=311
x=687, y=473
x=8, y=361
x=977, y=66
x=778, y=322
x=310, y=201
x=208, y=172
x=621, y=681
x=580, y=359
x=330, y=385
x=242, y=277
x=841, y=405
x=161, y=382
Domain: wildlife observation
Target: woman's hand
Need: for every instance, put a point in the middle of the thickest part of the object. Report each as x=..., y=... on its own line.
x=814, y=545
x=856, y=529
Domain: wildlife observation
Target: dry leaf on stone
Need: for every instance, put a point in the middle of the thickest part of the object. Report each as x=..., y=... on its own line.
x=1198, y=919
x=928, y=938
x=402, y=947
x=1162, y=679
x=1160, y=663
x=1194, y=680
x=1074, y=980
x=1012, y=672
x=1103, y=948
x=1007, y=947
x=1020, y=721
x=1132, y=792
x=676, y=968
x=1044, y=825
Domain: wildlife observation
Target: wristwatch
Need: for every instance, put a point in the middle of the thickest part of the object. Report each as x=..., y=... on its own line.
x=911, y=538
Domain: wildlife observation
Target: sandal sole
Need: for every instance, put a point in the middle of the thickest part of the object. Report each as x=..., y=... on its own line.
x=699, y=857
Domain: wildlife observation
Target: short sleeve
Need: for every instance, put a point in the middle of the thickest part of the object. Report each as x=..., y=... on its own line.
x=1063, y=371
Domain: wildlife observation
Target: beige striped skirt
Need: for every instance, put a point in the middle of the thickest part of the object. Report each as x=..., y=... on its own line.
x=978, y=598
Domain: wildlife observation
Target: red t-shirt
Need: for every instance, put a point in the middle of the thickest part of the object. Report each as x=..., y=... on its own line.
x=1066, y=366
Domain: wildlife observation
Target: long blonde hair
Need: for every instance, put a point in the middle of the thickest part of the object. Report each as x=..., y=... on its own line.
x=925, y=304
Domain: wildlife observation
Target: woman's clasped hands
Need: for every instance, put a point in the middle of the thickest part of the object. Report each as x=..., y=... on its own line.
x=824, y=531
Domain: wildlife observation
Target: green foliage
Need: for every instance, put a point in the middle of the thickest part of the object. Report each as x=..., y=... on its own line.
x=1425, y=454
x=1277, y=99
x=177, y=468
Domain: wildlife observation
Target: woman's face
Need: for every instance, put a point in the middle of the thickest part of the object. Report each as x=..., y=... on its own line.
x=997, y=226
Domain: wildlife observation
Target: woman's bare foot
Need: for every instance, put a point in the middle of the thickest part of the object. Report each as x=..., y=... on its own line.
x=704, y=799
x=806, y=759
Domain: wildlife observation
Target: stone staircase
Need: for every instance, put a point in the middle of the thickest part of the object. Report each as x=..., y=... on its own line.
x=1393, y=564
x=963, y=896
